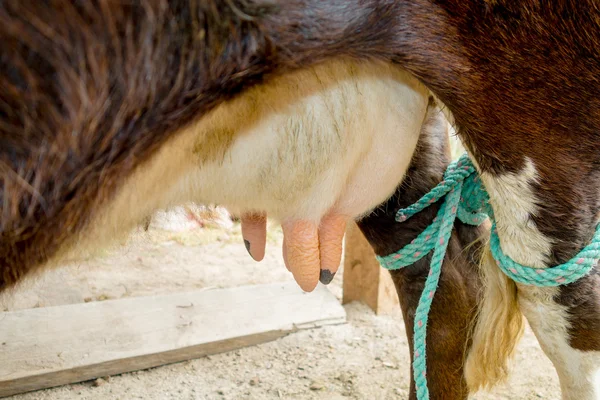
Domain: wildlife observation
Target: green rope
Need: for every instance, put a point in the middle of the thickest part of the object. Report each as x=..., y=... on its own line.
x=465, y=197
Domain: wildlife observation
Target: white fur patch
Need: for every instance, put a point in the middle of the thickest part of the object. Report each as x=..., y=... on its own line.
x=578, y=371
x=514, y=202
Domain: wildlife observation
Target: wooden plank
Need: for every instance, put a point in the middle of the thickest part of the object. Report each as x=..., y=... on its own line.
x=46, y=347
x=364, y=279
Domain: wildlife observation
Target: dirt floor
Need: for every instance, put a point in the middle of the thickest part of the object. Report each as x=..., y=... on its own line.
x=367, y=358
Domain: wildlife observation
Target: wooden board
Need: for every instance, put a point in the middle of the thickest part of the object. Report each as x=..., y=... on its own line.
x=364, y=279
x=46, y=347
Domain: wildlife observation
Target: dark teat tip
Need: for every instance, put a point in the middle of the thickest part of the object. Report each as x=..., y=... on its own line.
x=326, y=276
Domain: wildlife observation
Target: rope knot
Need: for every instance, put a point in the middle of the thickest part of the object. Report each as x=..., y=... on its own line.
x=459, y=176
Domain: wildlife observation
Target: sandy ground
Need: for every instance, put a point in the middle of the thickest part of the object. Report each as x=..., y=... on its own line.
x=366, y=358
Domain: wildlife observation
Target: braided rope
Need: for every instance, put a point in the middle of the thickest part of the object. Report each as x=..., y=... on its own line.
x=465, y=197
x=569, y=272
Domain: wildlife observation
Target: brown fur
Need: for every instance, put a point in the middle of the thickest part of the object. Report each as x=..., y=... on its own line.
x=583, y=300
x=469, y=53
x=455, y=302
x=91, y=92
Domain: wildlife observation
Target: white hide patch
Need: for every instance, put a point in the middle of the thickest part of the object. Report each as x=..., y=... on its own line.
x=514, y=202
x=578, y=371
x=290, y=148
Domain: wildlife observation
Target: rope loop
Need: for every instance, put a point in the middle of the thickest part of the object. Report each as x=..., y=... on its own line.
x=464, y=197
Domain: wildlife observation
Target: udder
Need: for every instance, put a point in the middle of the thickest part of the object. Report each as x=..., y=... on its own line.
x=320, y=161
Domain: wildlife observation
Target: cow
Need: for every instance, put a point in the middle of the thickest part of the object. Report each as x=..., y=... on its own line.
x=93, y=92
